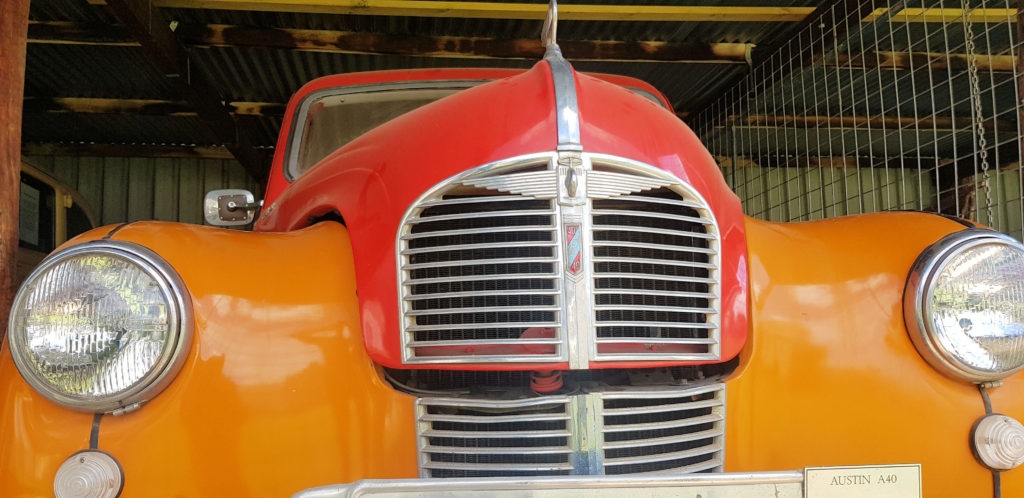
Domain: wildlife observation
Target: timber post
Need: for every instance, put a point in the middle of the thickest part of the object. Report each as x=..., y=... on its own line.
x=13, y=32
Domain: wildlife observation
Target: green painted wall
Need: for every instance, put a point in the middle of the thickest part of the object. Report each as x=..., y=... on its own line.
x=120, y=189
x=1008, y=212
x=802, y=194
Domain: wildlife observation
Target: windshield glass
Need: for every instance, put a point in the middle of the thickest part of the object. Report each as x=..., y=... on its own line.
x=332, y=119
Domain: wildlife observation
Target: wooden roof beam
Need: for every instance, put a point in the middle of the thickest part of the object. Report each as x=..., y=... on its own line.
x=580, y=12
x=152, y=107
x=497, y=10
x=863, y=122
x=222, y=35
x=937, y=15
x=169, y=56
x=458, y=46
x=921, y=60
x=126, y=150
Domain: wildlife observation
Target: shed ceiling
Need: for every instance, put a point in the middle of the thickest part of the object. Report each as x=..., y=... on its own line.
x=89, y=82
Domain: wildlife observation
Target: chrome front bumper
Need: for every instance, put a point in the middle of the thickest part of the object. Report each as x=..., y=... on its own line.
x=884, y=481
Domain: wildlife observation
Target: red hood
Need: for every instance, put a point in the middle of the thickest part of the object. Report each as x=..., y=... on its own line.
x=372, y=181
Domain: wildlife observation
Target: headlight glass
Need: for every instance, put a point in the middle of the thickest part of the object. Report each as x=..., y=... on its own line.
x=968, y=302
x=100, y=326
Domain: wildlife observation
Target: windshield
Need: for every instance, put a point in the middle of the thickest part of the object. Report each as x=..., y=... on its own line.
x=329, y=119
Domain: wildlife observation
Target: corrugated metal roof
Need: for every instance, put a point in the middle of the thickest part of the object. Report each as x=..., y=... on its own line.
x=114, y=128
x=92, y=71
x=744, y=32
x=272, y=75
x=275, y=74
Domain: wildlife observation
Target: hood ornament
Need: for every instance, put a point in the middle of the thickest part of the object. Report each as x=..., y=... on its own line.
x=549, y=33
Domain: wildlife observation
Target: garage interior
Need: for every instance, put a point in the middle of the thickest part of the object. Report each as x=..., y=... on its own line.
x=812, y=109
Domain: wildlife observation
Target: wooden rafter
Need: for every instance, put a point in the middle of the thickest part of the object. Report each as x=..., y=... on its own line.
x=221, y=35
x=151, y=30
x=864, y=122
x=936, y=15
x=126, y=150
x=498, y=10
x=141, y=106
x=921, y=60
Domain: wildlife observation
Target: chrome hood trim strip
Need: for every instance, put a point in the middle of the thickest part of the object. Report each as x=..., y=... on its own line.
x=567, y=112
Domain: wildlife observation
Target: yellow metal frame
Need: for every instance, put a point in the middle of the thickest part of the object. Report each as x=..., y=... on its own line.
x=496, y=10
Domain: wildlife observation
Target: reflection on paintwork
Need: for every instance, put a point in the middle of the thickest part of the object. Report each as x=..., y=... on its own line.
x=831, y=377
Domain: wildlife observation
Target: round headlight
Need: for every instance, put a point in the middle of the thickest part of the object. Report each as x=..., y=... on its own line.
x=964, y=305
x=101, y=326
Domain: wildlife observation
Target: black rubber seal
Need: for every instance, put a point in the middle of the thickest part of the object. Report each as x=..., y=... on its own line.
x=115, y=230
x=94, y=434
x=957, y=219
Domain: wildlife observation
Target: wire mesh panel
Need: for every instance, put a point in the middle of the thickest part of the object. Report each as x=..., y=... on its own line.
x=880, y=106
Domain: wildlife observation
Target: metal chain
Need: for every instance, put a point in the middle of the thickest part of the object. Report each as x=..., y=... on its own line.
x=972, y=68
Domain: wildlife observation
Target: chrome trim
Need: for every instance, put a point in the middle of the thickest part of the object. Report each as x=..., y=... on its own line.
x=298, y=124
x=172, y=358
x=425, y=431
x=536, y=185
x=567, y=111
x=577, y=289
x=570, y=181
x=588, y=420
x=649, y=96
x=587, y=438
x=539, y=184
x=920, y=284
x=605, y=184
x=778, y=484
x=619, y=185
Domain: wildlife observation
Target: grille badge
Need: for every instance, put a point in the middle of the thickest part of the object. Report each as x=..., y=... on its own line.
x=575, y=249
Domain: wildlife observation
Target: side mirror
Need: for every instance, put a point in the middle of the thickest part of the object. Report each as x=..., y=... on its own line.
x=230, y=207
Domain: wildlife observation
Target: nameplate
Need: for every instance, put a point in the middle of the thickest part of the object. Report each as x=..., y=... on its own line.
x=877, y=481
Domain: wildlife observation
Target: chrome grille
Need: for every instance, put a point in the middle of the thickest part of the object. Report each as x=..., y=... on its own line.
x=477, y=438
x=662, y=431
x=610, y=432
x=486, y=273
x=655, y=273
x=480, y=273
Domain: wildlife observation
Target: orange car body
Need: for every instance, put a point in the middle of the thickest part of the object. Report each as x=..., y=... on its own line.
x=280, y=391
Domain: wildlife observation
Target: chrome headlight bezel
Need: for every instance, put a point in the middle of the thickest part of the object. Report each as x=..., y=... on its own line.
x=168, y=364
x=921, y=283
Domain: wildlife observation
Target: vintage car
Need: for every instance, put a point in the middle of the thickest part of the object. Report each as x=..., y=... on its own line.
x=535, y=281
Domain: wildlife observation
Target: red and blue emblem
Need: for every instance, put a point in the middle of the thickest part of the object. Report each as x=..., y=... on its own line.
x=575, y=249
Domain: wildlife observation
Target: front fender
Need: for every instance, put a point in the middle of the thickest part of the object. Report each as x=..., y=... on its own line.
x=829, y=375
x=277, y=394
